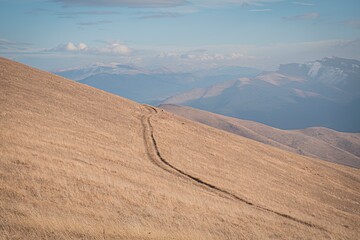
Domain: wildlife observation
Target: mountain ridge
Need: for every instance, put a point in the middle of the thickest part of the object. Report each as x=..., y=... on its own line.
x=320, y=93
x=156, y=84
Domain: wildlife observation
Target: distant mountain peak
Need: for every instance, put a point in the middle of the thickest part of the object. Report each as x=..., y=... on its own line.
x=323, y=92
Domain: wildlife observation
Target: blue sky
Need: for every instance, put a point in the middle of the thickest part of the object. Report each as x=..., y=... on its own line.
x=178, y=34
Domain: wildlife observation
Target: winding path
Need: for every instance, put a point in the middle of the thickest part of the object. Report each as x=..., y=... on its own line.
x=157, y=159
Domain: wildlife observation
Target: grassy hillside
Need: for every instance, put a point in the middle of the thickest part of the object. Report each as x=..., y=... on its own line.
x=323, y=143
x=79, y=163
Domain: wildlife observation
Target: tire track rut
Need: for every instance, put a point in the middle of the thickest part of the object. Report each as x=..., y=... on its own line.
x=157, y=159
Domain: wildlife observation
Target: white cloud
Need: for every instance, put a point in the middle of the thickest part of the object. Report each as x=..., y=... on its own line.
x=199, y=56
x=114, y=48
x=82, y=46
x=265, y=57
x=201, y=59
x=70, y=47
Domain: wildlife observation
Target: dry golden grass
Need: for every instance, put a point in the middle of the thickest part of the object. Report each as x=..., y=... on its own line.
x=323, y=143
x=79, y=163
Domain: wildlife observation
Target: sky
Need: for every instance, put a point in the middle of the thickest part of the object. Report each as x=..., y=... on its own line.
x=178, y=34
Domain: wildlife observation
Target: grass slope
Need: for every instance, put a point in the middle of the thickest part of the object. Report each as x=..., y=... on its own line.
x=79, y=163
x=323, y=143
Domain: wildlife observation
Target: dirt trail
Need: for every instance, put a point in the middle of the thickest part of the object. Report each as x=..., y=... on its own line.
x=156, y=158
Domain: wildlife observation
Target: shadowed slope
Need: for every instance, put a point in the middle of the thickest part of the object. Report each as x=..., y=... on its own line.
x=323, y=143
x=80, y=163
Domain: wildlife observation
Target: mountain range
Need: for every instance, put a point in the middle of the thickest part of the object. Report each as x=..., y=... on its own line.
x=322, y=93
x=150, y=86
x=80, y=163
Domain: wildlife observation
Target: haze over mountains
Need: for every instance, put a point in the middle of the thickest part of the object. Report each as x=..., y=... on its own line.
x=80, y=163
x=150, y=86
x=320, y=93
x=323, y=143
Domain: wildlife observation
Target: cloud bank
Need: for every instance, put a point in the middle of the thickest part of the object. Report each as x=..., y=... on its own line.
x=114, y=48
